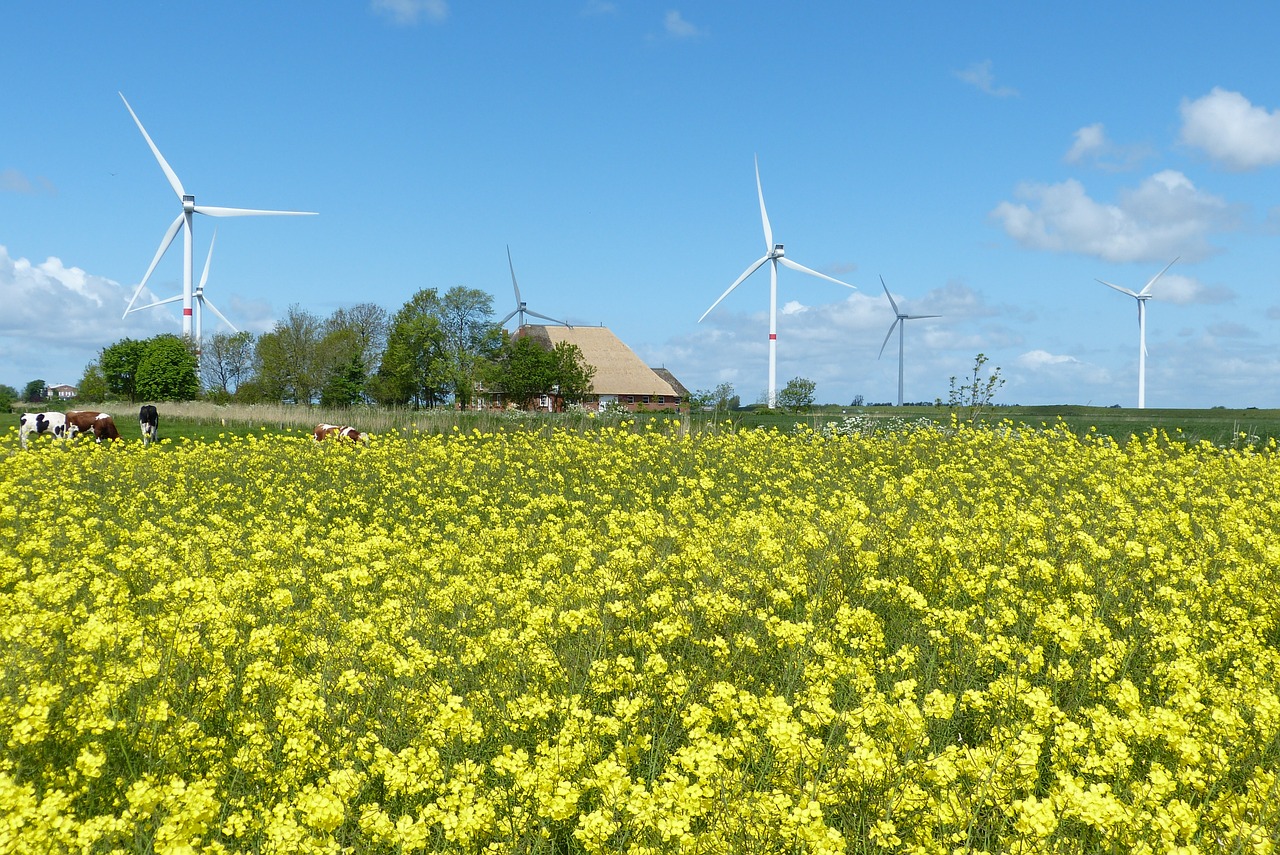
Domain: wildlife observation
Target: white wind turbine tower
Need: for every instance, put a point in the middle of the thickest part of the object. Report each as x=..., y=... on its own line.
x=522, y=308
x=900, y=321
x=774, y=254
x=199, y=300
x=184, y=221
x=1142, y=297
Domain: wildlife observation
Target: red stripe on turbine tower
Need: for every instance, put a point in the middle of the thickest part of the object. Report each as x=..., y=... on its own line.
x=773, y=336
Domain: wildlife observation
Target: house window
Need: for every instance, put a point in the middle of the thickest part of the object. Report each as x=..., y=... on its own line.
x=645, y=399
x=631, y=399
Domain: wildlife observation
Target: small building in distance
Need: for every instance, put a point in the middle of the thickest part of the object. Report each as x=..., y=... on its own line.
x=621, y=377
x=61, y=392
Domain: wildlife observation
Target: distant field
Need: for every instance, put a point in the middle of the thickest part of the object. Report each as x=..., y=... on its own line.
x=197, y=420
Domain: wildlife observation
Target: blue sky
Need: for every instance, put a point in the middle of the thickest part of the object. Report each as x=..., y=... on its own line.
x=990, y=160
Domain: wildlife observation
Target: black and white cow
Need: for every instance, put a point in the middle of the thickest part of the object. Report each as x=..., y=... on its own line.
x=149, y=422
x=54, y=424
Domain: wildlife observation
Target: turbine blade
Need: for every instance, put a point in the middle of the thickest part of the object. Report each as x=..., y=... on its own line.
x=919, y=317
x=159, y=303
x=205, y=302
x=214, y=211
x=164, y=164
x=891, y=301
x=164, y=245
x=1118, y=288
x=1147, y=288
x=513, y=278
x=529, y=311
x=794, y=266
x=896, y=321
x=752, y=269
x=509, y=316
x=204, y=277
x=764, y=215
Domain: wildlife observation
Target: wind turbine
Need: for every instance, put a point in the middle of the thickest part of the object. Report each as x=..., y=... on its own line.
x=199, y=300
x=774, y=254
x=522, y=308
x=184, y=221
x=900, y=321
x=1142, y=297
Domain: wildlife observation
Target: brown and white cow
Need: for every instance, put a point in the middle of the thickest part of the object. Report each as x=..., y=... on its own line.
x=54, y=424
x=323, y=432
x=101, y=425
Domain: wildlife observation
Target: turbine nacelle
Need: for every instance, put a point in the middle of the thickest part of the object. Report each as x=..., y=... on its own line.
x=522, y=307
x=189, y=204
x=777, y=251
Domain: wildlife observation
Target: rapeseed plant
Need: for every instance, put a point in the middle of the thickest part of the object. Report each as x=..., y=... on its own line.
x=925, y=639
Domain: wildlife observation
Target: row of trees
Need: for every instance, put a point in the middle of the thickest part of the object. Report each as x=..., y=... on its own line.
x=437, y=349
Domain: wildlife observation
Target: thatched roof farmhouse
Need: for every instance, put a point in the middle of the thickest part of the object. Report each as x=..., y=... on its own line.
x=621, y=377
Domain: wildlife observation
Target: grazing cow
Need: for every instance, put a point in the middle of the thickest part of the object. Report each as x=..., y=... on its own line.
x=54, y=424
x=323, y=432
x=101, y=425
x=149, y=423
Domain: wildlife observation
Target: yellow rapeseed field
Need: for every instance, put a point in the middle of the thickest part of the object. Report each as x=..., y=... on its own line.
x=931, y=640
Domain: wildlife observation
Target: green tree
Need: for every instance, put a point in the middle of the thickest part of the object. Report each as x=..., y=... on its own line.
x=366, y=326
x=522, y=371
x=168, y=371
x=351, y=346
x=525, y=370
x=35, y=391
x=227, y=360
x=93, y=383
x=471, y=339
x=571, y=376
x=797, y=395
x=724, y=398
x=344, y=383
x=414, y=369
x=119, y=363
x=8, y=395
x=286, y=359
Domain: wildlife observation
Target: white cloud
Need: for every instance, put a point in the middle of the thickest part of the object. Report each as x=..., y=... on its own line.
x=14, y=181
x=677, y=27
x=1230, y=329
x=409, y=12
x=794, y=307
x=1231, y=130
x=599, y=7
x=980, y=76
x=1037, y=359
x=1040, y=369
x=1091, y=145
x=1187, y=291
x=1088, y=140
x=1163, y=217
x=58, y=318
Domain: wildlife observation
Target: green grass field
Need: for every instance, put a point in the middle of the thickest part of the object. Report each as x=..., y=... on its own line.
x=206, y=421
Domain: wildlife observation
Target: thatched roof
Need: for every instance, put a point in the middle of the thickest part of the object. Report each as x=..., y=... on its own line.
x=671, y=378
x=618, y=370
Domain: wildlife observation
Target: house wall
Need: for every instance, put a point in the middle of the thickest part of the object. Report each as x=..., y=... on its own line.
x=639, y=403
